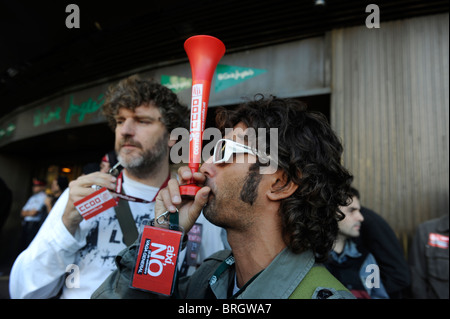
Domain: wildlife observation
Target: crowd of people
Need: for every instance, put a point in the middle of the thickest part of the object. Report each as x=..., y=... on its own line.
x=298, y=232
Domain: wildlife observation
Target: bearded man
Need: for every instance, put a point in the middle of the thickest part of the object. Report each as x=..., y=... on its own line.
x=72, y=256
x=281, y=223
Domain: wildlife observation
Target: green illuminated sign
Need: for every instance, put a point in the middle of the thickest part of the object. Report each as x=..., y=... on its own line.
x=227, y=75
x=176, y=83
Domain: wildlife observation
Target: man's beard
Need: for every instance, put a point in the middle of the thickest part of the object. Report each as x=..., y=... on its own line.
x=147, y=163
x=224, y=211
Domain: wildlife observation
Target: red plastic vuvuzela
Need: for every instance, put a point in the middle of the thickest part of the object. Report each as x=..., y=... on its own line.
x=204, y=53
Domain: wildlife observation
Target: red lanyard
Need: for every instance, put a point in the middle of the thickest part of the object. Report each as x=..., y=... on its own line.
x=118, y=193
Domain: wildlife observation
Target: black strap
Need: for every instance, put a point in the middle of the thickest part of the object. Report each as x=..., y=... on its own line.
x=126, y=222
x=226, y=264
x=125, y=217
x=184, y=267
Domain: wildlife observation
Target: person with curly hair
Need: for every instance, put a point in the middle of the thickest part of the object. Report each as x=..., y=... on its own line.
x=71, y=256
x=281, y=224
x=353, y=264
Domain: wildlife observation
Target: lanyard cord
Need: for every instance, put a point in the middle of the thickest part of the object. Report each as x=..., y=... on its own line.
x=225, y=265
x=246, y=285
x=119, y=195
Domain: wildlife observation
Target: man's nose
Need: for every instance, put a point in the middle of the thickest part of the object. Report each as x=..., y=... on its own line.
x=359, y=216
x=127, y=127
x=208, y=167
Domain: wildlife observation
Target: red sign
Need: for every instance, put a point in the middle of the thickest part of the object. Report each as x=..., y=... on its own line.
x=95, y=203
x=157, y=260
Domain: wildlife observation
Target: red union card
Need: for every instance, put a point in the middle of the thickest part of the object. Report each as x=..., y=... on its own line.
x=95, y=203
x=157, y=260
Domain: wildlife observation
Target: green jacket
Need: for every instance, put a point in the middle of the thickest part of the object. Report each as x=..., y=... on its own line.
x=280, y=280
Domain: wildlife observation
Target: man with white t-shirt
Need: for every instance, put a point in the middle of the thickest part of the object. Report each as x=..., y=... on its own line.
x=70, y=256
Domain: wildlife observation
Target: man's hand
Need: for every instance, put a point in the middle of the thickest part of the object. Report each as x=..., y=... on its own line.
x=80, y=188
x=169, y=198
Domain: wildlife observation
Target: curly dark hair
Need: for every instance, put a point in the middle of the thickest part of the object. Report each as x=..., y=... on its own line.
x=309, y=153
x=133, y=91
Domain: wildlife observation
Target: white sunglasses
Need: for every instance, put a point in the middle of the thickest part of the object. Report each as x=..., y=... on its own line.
x=225, y=148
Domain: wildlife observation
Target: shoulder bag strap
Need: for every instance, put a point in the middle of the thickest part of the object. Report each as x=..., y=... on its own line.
x=126, y=222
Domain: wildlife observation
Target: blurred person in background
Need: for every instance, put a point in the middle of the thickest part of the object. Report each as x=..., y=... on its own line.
x=351, y=264
x=57, y=187
x=428, y=259
x=32, y=213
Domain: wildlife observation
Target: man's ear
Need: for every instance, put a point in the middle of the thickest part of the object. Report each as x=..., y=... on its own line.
x=280, y=188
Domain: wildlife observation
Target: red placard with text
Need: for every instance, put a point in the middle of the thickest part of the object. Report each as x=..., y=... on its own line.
x=157, y=260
